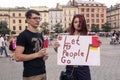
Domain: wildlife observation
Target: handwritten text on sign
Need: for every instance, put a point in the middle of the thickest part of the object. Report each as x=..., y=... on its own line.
x=78, y=50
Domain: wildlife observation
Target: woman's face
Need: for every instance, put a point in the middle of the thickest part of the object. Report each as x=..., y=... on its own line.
x=77, y=24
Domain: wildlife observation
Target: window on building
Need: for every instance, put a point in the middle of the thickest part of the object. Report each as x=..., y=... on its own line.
x=75, y=12
x=114, y=18
x=102, y=20
x=87, y=25
x=87, y=15
x=45, y=15
x=45, y=20
x=97, y=20
x=114, y=25
x=64, y=12
x=102, y=15
x=92, y=10
x=65, y=18
x=100, y=10
x=69, y=19
x=101, y=4
x=92, y=20
x=19, y=14
x=25, y=21
x=20, y=21
x=88, y=20
x=69, y=13
x=97, y=15
x=97, y=10
x=14, y=28
x=13, y=21
x=25, y=27
x=92, y=15
x=13, y=14
x=87, y=5
x=20, y=28
x=97, y=5
x=110, y=18
x=87, y=10
x=82, y=10
x=82, y=4
x=65, y=25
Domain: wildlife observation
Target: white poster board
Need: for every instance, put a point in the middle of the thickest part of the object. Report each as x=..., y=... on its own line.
x=78, y=50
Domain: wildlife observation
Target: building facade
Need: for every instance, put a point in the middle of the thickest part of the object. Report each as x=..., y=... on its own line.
x=113, y=17
x=15, y=18
x=94, y=12
x=55, y=17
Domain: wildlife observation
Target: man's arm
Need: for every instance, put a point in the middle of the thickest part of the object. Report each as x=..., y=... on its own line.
x=26, y=57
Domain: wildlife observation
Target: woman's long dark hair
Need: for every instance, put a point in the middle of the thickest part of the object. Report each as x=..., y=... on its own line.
x=83, y=30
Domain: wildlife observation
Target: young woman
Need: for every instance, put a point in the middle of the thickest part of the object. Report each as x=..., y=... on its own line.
x=78, y=27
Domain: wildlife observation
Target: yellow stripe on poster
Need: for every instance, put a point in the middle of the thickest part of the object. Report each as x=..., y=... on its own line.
x=93, y=48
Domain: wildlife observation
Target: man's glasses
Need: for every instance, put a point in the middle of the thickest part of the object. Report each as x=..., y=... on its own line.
x=36, y=18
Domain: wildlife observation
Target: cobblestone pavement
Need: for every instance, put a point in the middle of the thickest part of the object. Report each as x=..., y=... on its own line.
x=108, y=70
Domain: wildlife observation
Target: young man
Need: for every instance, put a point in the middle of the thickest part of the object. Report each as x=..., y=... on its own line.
x=30, y=49
x=3, y=46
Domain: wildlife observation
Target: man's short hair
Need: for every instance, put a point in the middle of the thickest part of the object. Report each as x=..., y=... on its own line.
x=30, y=12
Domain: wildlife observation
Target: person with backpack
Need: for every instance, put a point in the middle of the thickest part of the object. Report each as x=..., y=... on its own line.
x=12, y=46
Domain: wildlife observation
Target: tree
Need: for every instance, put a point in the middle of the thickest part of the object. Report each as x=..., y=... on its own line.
x=3, y=28
x=106, y=27
x=44, y=26
x=58, y=28
x=94, y=28
x=13, y=32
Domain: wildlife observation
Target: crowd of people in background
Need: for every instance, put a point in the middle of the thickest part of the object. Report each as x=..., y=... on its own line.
x=115, y=37
x=7, y=43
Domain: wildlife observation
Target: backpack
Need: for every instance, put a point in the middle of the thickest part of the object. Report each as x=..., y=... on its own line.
x=10, y=46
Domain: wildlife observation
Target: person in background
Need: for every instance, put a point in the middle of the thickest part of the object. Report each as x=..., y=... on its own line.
x=4, y=45
x=30, y=49
x=1, y=45
x=12, y=46
x=78, y=27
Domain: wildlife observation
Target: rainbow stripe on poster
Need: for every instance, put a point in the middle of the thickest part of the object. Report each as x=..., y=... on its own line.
x=94, y=46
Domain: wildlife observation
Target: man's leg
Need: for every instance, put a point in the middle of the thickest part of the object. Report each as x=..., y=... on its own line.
x=5, y=51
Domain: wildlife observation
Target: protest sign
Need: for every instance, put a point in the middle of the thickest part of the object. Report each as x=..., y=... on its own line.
x=78, y=50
